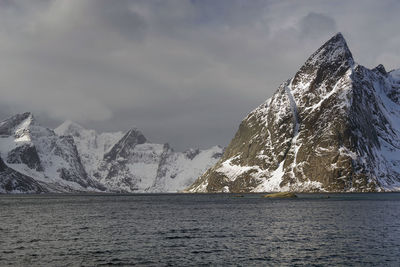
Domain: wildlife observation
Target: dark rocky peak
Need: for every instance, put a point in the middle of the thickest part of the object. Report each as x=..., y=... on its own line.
x=334, y=51
x=124, y=146
x=134, y=136
x=8, y=126
x=361, y=73
x=191, y=153
x=326, y=65
x=380, y=69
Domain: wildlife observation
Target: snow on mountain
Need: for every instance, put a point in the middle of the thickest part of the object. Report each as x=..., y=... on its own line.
x=91, y=145
x=34, y=159
x=129, y=163
x=335, y=126
x=38, y=153
x=180, y=170
x=12, y=181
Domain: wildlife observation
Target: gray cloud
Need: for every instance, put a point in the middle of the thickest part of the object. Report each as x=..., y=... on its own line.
x=315, y=24
x=185, y=72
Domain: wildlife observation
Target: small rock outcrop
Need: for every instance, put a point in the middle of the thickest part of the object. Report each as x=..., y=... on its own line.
x=281, y=195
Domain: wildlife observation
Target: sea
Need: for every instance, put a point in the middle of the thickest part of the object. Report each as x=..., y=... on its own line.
x=200, y=230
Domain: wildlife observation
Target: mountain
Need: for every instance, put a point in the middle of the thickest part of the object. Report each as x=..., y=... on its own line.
x=334, y=126
x=35, y=159
x=129, y=163
x=31, y=152
x=12, y=181
x=91, y=145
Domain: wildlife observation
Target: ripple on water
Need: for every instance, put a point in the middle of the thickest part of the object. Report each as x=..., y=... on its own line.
x=184, y=230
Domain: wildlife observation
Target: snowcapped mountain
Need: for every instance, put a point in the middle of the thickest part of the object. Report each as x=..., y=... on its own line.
x=34, y=159
x=91, y=145
x=12, y=181
x=334, y=126
x=35, y=152
x=129, y=163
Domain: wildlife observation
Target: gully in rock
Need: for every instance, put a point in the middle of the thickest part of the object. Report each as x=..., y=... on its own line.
x=334, y=127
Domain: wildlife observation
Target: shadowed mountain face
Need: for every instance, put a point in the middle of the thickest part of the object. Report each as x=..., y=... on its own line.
x=335, y=126
x=12, y=181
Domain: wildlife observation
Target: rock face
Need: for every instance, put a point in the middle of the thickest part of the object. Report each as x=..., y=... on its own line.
x=91, y=146
x=129, y=163
x=334, y=126
x=34, y=159
x=12, y=181
x=40, y=160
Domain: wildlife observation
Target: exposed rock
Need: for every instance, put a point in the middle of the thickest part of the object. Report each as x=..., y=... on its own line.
x=191, y=153
x=12, y=181
x=36, y=154
x=129, y=163
x=281, y=195
x=73, y=159
x=7, y=126
x=381, y=69
x=121, y=149
x=25, y=154
x=333, y=127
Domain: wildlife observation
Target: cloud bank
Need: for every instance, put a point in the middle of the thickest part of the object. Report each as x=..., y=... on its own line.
x=185, y=72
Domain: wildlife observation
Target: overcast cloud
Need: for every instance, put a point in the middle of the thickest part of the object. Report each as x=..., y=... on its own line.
x=184, y=72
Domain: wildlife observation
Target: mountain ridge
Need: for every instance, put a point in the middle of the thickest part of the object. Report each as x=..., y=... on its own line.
x=313, y=134
x=71, y=158
x=128, y=162
x=37, y=152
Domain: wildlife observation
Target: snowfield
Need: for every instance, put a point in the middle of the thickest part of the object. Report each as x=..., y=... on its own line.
x=74, y=159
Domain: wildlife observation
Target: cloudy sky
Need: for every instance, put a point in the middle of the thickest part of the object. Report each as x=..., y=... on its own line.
x=184, y=72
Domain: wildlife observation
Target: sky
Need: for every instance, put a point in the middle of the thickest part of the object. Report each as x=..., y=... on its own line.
x=184, y=72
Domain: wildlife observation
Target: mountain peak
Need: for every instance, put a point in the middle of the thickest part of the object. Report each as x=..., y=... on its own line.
x=327, y=64
x=69, y=127
x=334, y=50
x=123, y=147
x=23, y=120
x=338, y=38
x=136, y=136
x=330, y=128
x=381, y=69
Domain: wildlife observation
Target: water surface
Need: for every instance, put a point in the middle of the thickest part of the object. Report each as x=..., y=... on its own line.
x=202, y=229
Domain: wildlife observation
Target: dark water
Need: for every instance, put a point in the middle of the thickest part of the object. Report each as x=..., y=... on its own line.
x=182, y=230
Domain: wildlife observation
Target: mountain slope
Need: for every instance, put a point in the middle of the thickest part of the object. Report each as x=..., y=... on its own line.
x=91, y=145
x=12, y=181
x=333, y=127
x=38, y=153
x=129, y=163
x=34, y=159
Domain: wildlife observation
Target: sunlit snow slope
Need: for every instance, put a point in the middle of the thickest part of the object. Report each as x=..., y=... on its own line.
x=34, y=159
x=127, y=162
x=37, y=152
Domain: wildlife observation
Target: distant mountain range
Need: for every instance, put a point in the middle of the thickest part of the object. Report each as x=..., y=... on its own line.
x=35, y=159
x=334, y=126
